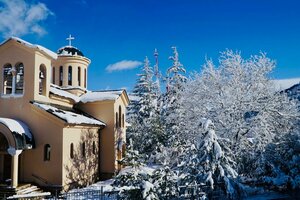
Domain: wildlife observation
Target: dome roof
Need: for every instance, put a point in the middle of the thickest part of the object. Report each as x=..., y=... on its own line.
x=69, y=51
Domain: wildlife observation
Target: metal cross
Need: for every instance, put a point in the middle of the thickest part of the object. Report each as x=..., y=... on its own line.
x=70, y=38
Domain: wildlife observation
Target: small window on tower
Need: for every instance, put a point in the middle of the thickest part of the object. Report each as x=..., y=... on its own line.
x=79, y=76
x=70, y=75
x=60, y=76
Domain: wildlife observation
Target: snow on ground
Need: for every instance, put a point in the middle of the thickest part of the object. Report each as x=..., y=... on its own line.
x=283, y=84
x=68, y=116
x=107, y=185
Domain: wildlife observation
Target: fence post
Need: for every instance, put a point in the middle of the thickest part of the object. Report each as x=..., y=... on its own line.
x=101, y=192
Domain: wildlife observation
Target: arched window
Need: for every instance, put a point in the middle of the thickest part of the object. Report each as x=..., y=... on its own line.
x=120, y=117
x=85, y=78
x=117, y=120
x=83, y=149
x=7, y=79
x=42, y=80
x=70, y=75
x=53, y=75
x=60, y=76
x=79, y=76
x=47, y=151
x=72, y=151
x=19, y=88
x=123, y=120
x=94, y=147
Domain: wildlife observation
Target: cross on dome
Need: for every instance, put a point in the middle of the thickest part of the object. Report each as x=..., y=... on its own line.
x=70, y=38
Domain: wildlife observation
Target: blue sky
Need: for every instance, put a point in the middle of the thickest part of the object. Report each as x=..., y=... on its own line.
x=112, y=31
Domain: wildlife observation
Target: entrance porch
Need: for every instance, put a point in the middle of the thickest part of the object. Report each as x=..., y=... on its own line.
x=15, y=137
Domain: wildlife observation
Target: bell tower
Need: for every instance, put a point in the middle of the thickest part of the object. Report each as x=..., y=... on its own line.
x=70, y=69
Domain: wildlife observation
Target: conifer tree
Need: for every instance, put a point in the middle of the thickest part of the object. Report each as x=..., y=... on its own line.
x=171, y=111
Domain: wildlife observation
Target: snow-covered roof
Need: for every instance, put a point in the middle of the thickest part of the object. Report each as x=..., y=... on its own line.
x=70, y=87
x=283, y=84
x=100, y=95
x=69, y=51
x=69, y=116
x=16, y=126
x=59, y=92
x=19, y=128
x=33, y=46
x=133, y=97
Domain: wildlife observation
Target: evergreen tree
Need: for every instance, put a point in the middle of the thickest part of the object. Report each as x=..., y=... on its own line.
x=207, y=161
x=171, y=110
x=143, y=115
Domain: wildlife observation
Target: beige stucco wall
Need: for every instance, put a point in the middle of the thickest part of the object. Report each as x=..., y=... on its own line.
x=75, y=62
x=48, y=129
x=105, y=111
x=76, y=170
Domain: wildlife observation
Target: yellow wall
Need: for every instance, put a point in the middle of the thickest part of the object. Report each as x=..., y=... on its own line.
x=48, y=129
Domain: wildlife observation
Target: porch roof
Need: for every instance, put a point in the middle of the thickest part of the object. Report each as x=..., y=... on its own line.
x=20, y=132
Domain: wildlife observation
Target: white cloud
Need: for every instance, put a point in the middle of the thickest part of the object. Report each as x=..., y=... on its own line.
x=18, y=18
x=123, y=65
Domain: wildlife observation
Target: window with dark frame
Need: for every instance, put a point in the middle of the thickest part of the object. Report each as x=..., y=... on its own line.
x=47, y=152
x=83, y=149
x=60, y=76
x=72, y=150
x=70, y=75
x=53, y=75
x=79, y=76
x=94, y=147
x=120, y=117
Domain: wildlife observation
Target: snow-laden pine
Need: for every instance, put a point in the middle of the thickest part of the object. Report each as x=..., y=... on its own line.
x=145, y=129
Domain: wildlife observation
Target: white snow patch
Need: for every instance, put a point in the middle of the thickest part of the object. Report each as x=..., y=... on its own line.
x=62, y=93
x=283, y=84
x=34, y=46
x=68, y=116
x=100, y=96
x=16, y=126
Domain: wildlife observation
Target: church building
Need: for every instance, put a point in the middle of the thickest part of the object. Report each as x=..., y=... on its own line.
x=53, y=131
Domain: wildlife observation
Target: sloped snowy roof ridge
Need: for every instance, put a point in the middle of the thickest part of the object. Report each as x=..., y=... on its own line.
x=34, y=46
x=59, y=92
x=69, y=116
x=283, y=84
x=93, y=96
x=16, y=126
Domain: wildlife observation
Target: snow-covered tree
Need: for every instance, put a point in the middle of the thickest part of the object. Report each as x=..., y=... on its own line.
x=143, y=116
x=280, y=166
x=165, y=182
x=171, y=110
x=207, y=161
x=239, y=97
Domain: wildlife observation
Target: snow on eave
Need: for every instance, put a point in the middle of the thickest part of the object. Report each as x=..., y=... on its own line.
x=104, y=95
x=42, y=49
x=69, y=116
x=56, y=90
x=283, y=84
x=16, y=126
x=73, y=88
